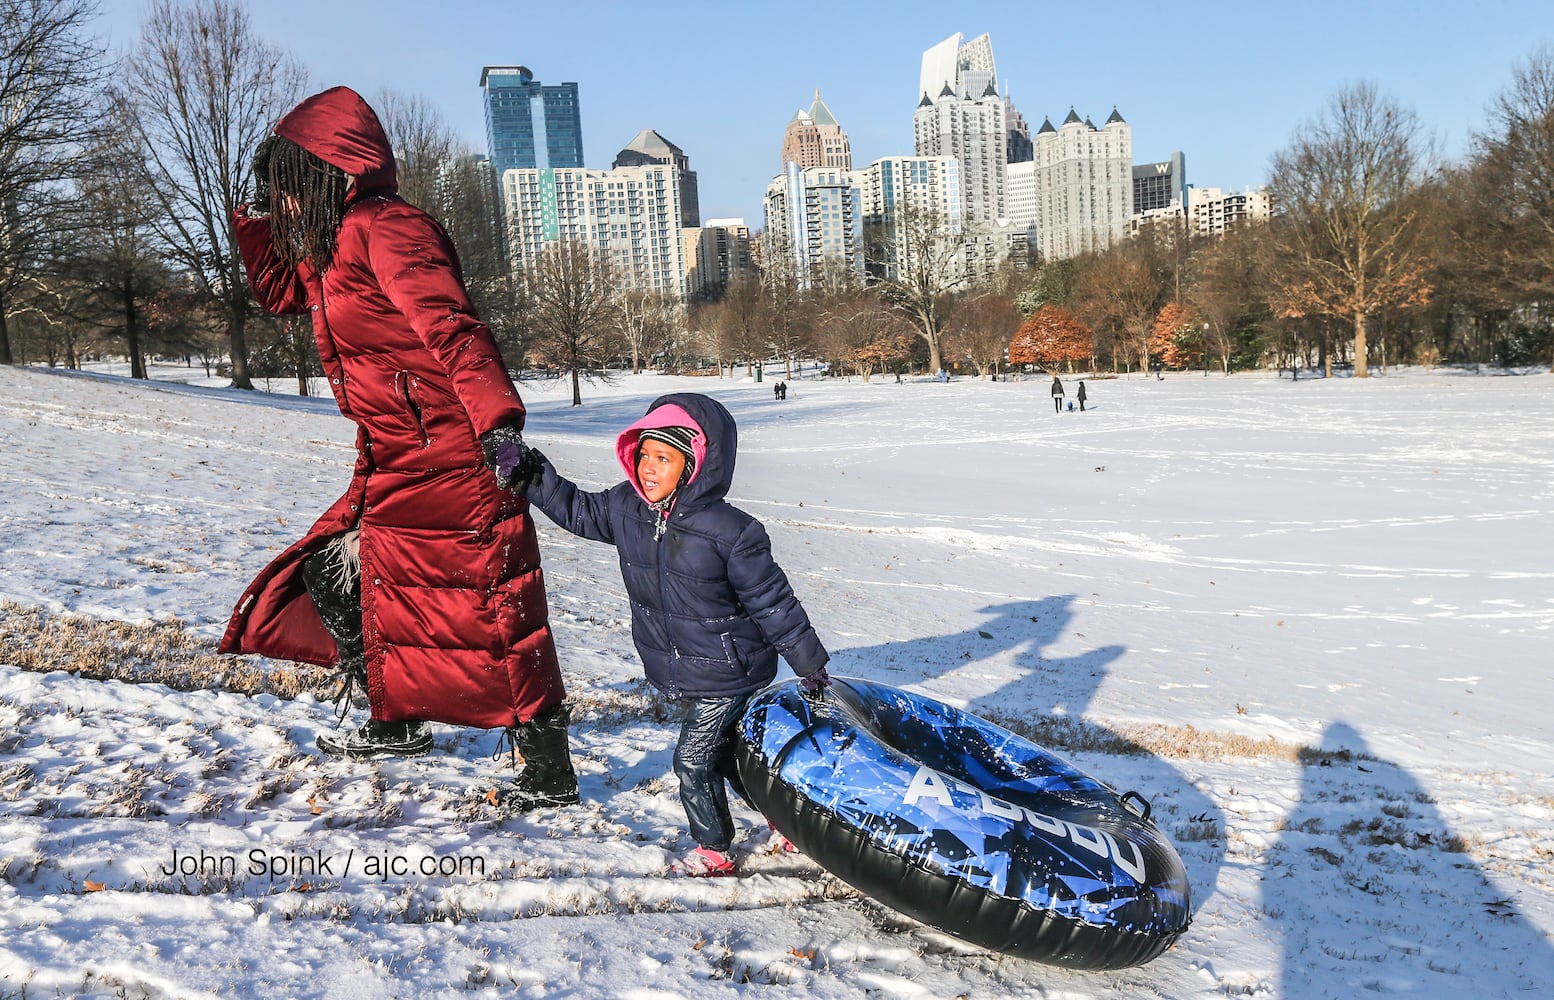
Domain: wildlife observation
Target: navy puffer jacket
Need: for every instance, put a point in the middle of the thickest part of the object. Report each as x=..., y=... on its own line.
x=710, y=607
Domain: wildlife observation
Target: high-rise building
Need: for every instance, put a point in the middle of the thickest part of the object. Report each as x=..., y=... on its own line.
x=960, y=114
x=630, y=214
x=950, y=61
x=894, y=185
x=1018, y=132
x=1020, y=195
x=813, y=222
x=814, y=139
x=1160, y=185
x=1076, y=194
x=716, y=255
x=530, y=126
x=650, y=147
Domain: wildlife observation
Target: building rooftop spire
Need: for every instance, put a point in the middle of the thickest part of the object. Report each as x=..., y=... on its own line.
x=820, y=113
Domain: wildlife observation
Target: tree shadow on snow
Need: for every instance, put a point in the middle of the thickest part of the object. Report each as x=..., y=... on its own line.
x=1046, y=703
x=1374, y=893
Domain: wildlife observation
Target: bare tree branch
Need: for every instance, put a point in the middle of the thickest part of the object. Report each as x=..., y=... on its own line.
x=205, y=90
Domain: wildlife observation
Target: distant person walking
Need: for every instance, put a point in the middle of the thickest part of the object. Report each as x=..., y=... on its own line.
x=1079, y=394
x=1057, y=394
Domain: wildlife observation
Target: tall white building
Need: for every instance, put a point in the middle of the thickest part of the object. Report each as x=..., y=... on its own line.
x=1076, y=193
x=630, y=214
x=960, y=114
x=814, y=221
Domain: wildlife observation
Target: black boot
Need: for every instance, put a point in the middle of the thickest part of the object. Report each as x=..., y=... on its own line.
x=408, y=738
x=547, y=779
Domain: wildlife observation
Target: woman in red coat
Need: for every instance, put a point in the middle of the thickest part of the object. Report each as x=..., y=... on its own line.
x=424, y=578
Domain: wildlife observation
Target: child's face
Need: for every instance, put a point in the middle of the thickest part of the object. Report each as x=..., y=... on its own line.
x=658, y=469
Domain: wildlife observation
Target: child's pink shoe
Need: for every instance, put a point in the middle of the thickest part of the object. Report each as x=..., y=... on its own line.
x=781, y=844
x=703, y=862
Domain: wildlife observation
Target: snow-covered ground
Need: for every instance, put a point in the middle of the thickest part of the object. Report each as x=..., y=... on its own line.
x=1321, y=615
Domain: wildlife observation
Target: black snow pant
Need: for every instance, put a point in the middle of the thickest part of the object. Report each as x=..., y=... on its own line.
x=333, y=579
x=1057, y=404
x=703, y=761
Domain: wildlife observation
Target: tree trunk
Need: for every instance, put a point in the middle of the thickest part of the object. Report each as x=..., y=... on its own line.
x=5, y=337
x=237, y=318
x=1360, y=370
x=577, y=389
x=132, y=336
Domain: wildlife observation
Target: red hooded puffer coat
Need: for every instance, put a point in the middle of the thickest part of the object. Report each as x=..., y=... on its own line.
x=453, y=603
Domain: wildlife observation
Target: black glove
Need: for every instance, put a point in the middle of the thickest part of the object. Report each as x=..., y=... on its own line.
x=514, y=463
x=814, y=686
x=261, y=168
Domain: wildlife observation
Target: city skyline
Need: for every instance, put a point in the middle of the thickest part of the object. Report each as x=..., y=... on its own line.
x=1226, y=85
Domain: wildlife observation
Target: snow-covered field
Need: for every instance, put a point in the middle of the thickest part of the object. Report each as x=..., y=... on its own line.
x=1321, y=615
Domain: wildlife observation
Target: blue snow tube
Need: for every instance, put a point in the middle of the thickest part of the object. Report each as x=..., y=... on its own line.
x=963, y=825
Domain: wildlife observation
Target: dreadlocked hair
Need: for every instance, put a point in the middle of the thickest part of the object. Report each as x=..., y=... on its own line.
x=308, y=202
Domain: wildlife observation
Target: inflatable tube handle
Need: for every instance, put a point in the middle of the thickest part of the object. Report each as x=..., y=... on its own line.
x=1136, y=804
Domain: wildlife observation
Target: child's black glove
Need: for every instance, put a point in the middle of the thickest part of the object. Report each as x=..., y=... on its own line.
x=515, y=465
x=814, y=686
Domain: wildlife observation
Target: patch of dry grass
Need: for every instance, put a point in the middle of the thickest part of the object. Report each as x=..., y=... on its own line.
x=153, y=653
x=1171, y=742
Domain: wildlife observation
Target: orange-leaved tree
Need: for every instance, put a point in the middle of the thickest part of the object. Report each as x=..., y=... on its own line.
x=1050, y=337
x=1177, y=336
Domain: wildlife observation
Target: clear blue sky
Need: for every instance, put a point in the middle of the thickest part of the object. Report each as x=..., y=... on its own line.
x=1225, y=82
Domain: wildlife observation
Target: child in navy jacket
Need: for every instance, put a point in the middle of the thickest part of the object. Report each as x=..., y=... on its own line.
x=710, y=608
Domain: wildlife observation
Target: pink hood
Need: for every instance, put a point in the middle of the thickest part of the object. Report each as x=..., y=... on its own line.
x=668, y=415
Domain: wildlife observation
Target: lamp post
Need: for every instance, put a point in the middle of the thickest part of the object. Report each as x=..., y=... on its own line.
x=1205, y=345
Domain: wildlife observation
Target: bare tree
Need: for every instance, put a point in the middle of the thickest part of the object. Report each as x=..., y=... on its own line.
x=982, y=325
x=423, y=144
x=645, y=319
x=205, y=89
x=1515, y=161
x=1118, y=296
x=573, y=302
x=49, y=73
x=738, y=322
x=787, y=307
x=1347, y=226
x=678, y=341
x=918, y=260
x=118, y=259
x=441, y=175
x=857, y=330
x=467, y=205
x=1227, y=290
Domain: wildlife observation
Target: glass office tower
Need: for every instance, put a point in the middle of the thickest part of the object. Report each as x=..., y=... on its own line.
x=528, y=125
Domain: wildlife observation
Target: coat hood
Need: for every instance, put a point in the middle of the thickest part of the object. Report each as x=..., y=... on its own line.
x=714, y=446
x=340, y=128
